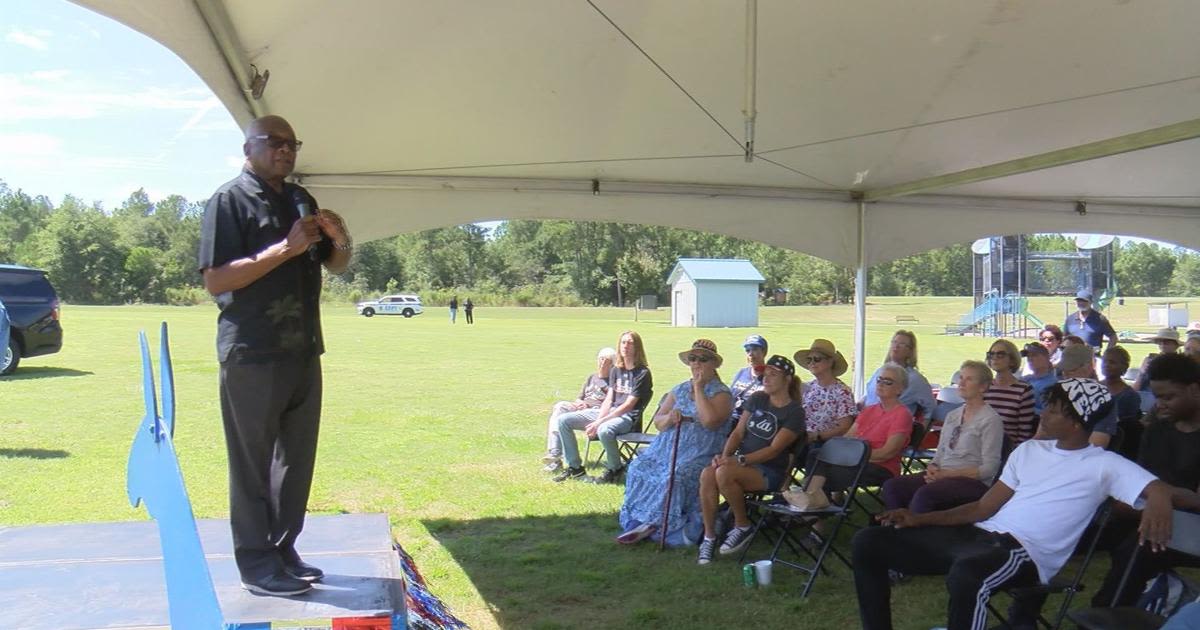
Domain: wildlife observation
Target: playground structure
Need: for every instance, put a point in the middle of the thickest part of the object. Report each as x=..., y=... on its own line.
x=1005, y=272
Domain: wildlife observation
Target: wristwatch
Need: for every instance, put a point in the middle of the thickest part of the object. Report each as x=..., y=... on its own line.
x=741, y=459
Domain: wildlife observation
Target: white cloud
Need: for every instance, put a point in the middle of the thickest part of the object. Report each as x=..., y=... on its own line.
x=28, y=40
x=22, y=146
x=39, y=96
x=49, y=75
x=234, y=161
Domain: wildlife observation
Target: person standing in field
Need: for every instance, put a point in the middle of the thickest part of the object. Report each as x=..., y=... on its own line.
x=453, y=308
x=469, y=311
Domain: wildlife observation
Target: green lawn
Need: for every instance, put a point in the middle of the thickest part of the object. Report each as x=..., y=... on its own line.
x=441, y=428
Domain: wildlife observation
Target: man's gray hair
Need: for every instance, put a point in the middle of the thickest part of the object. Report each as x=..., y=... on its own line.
x=607, y=353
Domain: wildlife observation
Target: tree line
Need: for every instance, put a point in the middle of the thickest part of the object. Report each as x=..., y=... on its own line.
x=145, y=252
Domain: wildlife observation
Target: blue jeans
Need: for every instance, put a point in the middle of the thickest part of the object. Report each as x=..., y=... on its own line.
x=453, y=314
x=607, y=434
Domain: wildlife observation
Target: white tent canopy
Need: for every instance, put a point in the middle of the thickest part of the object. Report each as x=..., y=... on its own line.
x=882, y=128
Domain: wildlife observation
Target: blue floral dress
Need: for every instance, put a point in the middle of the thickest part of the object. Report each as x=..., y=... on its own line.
x=646, y=480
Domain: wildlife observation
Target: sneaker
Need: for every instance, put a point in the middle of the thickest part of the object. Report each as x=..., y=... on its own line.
x=637, y=534
x=570, y=473
x=806, y=500
x=550, y=457
x=302, y=570
x=736, y=541
x=608, y=476
x=553, y=465
x=706, y=550
x=279, y=584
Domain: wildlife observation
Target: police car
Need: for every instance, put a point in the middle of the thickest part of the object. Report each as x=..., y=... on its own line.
x=406, y=305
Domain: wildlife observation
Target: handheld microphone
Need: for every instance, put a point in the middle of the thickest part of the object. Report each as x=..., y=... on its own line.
x=300, y=199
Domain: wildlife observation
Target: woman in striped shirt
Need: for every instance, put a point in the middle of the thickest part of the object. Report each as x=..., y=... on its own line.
x=1011, y=397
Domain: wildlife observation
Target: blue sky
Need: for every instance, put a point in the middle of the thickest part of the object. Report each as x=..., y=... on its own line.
x=91, y=108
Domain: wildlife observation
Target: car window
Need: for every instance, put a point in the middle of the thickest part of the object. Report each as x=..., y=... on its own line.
x=25, y=285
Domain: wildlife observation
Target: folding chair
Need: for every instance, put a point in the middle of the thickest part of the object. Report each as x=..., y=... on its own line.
x=914, y=455
x=841, y=461
x=631, y=441
x=1185, y=538
x=1060, y=584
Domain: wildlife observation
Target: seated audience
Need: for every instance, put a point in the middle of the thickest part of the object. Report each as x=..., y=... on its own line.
x=918, y=395
x=755, y=458
x=1024, y=529
x=828, y=403
x=1010, y=397
x=1126, y=401
x=1052, y=337
x=586, y=407
x=630, y=388
x=1072, y=340
x=694, y=416
x=750, y=378
x=1041, y=372
x=1167, y=341
x=1170, y=450
x=885, y=426
x=968, y=453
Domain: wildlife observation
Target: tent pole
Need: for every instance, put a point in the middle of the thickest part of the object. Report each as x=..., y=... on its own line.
x=860, y=304
x=749, y=108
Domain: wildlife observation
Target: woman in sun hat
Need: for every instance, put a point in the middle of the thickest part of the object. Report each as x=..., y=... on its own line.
x=755, y=457
x=828, y=402
x=698, y=410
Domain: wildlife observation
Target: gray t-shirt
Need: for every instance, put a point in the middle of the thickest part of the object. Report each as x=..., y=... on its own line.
x=594, y=390
x=764, y=424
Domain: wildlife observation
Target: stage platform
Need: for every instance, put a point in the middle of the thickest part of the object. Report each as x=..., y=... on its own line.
x=110, y=575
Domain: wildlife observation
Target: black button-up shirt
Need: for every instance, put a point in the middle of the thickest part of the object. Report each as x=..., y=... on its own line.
x=278, y=316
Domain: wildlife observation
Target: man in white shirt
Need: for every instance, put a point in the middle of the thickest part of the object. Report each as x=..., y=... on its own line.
x=1024, y=529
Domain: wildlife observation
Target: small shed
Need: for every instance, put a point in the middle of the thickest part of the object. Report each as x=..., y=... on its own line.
x=713, y=292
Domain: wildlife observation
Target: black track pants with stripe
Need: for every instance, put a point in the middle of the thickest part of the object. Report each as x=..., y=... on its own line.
x=975, y=563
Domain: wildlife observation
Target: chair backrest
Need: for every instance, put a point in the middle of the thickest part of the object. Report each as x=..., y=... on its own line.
x=642, y=405
x=841, y=461
x=917, y=435
x=1185, y=533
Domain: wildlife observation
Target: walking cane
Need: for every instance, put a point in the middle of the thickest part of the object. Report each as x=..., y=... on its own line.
x=662, y=541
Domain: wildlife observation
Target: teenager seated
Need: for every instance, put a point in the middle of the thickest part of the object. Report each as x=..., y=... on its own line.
x=749, y=379
x=1024, y=529
x=886, y=427
x=968, y=453
x=1171, y=450
x=585, y=407
x=1126, y=402
x=755, y=457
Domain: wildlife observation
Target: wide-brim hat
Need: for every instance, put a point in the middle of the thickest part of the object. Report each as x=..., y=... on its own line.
x=1075, y=357
x=702, y=346
x=1166, y=334
x=825, y=348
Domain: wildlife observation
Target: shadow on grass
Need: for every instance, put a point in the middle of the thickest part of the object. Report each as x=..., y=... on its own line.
x=31, y=373
x=33, y=453
x=566, y=571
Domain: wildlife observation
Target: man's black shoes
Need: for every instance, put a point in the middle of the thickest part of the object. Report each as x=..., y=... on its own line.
x=279, y=584
x=302, y=570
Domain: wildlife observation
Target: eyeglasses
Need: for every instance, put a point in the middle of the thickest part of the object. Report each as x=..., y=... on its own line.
x=883, y=380
x=998, y=353
x=276, y=143
x=814, y=358
x=1049, y=338
x=954, y=436
x=698, y=358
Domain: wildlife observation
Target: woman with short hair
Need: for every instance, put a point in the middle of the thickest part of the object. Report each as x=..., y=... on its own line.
x=968, y=453
x=1011, y=397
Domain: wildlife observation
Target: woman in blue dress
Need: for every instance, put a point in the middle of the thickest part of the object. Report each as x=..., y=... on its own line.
x=699, y=410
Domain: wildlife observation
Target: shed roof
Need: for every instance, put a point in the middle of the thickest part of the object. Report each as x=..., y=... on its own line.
x=727, y=269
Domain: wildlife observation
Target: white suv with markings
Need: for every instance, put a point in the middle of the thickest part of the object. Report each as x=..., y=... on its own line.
x=406, y=305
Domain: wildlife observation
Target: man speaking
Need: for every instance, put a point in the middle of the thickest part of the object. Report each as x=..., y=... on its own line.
x=262, y=244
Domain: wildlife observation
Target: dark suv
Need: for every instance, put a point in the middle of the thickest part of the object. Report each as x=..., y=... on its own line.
x=32, y=308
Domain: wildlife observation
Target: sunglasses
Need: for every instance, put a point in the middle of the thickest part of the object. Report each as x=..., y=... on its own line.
x=814, y=358
x=1049, y=338
x=276, y=143
x=883, y=380
x=698, y=358
x=998, y=353
x=954, y=436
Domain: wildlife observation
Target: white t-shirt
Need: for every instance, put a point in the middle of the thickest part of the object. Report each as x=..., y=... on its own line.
x=1056, y=492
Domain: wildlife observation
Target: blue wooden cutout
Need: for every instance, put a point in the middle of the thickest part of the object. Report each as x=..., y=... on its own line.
x=154, y=477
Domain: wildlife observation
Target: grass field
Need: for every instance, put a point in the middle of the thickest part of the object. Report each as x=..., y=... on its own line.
x=441, y=428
